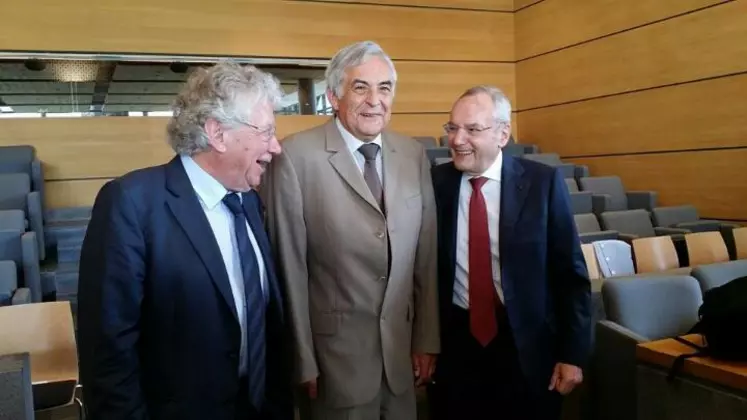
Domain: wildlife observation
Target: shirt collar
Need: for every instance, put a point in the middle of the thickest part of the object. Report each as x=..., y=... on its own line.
x=351, y=141
x=208, y=189
x=494, y=170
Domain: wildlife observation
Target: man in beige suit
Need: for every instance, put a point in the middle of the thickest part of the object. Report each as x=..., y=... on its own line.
x=352, y=217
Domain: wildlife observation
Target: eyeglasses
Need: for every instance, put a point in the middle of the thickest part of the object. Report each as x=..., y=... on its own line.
x=471, y=130
x=265, y=133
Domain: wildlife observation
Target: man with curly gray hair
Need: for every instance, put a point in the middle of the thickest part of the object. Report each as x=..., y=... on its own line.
x=352, y=214
x=180, y=312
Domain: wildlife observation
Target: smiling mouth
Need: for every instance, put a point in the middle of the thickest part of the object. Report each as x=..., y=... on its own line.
x=368, y=115
x=463, y=152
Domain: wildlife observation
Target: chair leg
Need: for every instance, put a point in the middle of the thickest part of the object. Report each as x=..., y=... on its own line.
x=81, y=409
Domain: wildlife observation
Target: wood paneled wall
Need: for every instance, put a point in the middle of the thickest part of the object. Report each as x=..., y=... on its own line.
x=440, y=48
x=652, y=91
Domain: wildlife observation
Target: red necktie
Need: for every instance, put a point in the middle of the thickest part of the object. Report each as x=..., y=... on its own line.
x=482, y=294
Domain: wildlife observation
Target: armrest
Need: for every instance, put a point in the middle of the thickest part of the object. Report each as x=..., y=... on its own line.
x=642, y=200
x=589, y=237
x=700, y=226
x=600, y=203
x=36, y=220
x=31, y=272
x=581, y=171
x=22, y=296
x=628, y=237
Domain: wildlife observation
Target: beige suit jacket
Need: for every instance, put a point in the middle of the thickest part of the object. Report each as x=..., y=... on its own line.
x=350, y=320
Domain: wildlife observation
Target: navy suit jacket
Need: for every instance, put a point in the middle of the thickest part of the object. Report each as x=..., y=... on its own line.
x=546, y=287
x=158, y=332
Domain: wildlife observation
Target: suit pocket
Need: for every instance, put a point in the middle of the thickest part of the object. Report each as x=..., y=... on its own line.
x=325, y=323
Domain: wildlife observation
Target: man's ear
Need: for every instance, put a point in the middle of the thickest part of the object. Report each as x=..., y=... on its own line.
x=215, y=135
x=504, y=135
x=332, y=98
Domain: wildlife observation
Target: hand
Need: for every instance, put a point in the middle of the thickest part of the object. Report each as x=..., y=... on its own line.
x=565, y=378
x=423, y=365
x=311, y=388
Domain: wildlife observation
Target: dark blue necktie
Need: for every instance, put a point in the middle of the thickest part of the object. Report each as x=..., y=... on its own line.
x=255, y=300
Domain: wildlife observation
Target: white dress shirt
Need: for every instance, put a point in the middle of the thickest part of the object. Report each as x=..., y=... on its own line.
x=211, y=193
x=491, y=190
x=354, y=143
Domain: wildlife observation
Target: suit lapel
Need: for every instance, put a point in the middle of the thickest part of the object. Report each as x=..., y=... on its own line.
x=185, y=206
x=450, y=198
x=257, y=225
x=514, y=187
x=391, y=165
x=345, y=165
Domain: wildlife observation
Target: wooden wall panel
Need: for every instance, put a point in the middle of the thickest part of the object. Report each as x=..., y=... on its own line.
x=574, y=21
x=713, y=181
x=254, y=28
x=72, y=193
x=698, y=45
x=433, y=87
x=494, y=5
x=520, y=4
x=700, y=115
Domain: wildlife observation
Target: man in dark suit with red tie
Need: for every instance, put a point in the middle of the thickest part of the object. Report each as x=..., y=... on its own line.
x=513, y=285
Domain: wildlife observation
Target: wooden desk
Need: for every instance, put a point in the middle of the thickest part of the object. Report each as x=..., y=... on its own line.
x=663, y=352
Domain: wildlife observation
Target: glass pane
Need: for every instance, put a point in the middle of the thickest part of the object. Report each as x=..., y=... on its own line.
x=49, y=85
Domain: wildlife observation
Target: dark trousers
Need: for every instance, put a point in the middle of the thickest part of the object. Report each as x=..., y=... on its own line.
x=475, y=382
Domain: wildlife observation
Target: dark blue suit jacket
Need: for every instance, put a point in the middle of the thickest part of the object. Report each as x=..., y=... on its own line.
x=158, y=332
x=545, y=283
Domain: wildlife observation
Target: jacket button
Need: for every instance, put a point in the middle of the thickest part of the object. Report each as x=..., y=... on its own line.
x=380, y=235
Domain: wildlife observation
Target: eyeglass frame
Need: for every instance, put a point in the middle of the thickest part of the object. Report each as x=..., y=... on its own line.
x=477, y=131
x=266, y=134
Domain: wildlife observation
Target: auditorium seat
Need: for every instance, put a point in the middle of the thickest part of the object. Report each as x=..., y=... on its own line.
x=715, y=275
x=427, y=141
x=10, y=293
x=437, y=152
x=614, y=257
x=685, y=217
x=639, y=309
x=739, y=236
x=591, y=261
x=22, y=159
x=20, y=247
x=706, y=248
x=16, y=395
x=16, y=194
x=441, y=160
x=634, y=224
x=656, y=254
x=568, y=170
x=610, y=195
x=581, y=201
x=589, y=230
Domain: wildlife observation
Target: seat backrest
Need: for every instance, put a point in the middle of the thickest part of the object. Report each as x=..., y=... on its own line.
x=20, y=153
x=674, y=215
x=636, y=222
x=437, y=152
x=610, y=185
x=11, y=246
x=8, y=281
x=586, y=223
x=740, y=242
x=12, y=219
x=427, y=141
x=550, y=159
x=655, y=254
x=45, y=331
x=706, y=248
x=654, y=307
x=571, y=184
x=591, y=261
x=16, y=394
x=715, y=275
x=14, y=188
x=615, y=258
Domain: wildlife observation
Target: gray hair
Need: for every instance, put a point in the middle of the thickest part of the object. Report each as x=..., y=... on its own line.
x=226, y=92
x=501, y=104
x=351, y=56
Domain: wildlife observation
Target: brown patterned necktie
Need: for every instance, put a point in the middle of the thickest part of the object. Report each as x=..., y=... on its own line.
x=370, y=174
